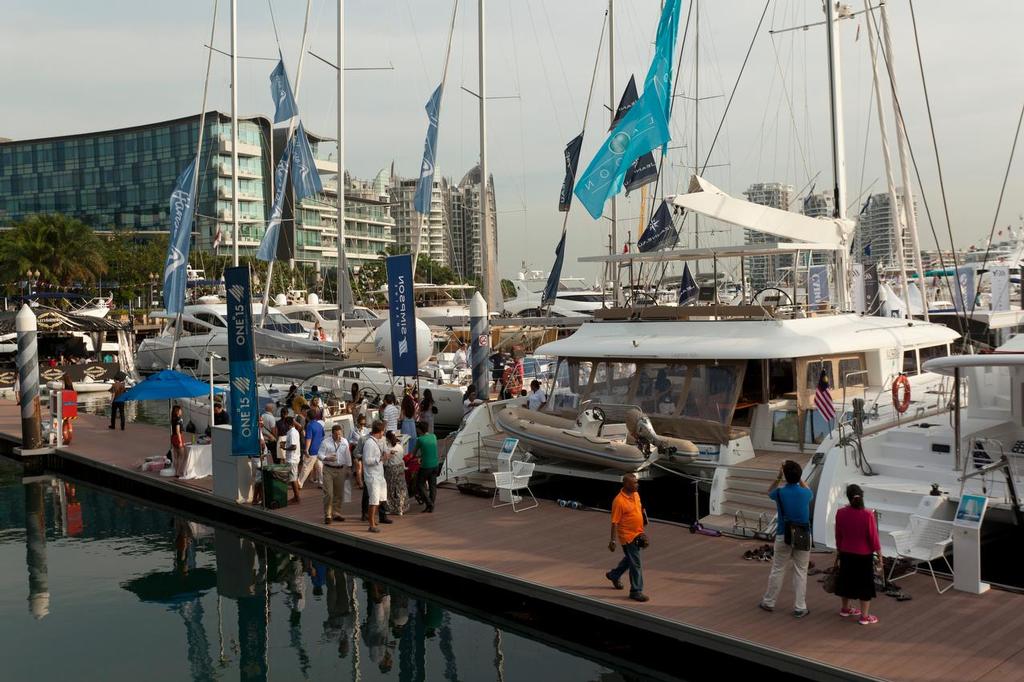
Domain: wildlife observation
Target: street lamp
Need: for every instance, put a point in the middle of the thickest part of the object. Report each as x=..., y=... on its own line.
x=152, y=286
x=31, y=278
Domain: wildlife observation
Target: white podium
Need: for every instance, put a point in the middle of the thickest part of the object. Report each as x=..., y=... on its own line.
x=967, y=544
x=232, y=476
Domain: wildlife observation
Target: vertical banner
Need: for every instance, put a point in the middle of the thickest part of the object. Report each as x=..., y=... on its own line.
x=963, y=289
x=1000, y=284
x=817, y=285
x=176, y=265
x=555, y=276
x=402, y=316
x=425, y=183
x=241, y=364
x=857, y=287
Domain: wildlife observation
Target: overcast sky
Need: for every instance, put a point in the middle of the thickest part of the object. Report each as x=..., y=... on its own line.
x=76, y=67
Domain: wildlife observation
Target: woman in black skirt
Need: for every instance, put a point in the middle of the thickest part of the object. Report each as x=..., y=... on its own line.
x=856, y=546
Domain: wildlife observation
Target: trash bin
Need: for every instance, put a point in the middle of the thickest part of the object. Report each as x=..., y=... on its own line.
x=275, y=485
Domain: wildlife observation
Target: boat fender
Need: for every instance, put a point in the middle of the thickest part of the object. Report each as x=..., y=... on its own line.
x=901, y=402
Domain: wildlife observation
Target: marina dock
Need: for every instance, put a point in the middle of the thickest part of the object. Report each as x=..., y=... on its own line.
x=704, y=594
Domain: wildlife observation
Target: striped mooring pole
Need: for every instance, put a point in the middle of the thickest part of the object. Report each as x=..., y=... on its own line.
x=479, y=329
x=28, y=378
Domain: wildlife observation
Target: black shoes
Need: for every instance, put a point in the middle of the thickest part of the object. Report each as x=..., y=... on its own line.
x=639, y=596
x=617, y=584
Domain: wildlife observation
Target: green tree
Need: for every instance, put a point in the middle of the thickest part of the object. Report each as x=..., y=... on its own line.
x=64, y=250
x=131, y=258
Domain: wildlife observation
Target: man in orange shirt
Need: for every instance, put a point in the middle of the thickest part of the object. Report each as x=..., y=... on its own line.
x=628, y=527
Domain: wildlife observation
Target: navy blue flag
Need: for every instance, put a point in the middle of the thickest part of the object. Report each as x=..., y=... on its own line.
x=688, y=290
x=626, y=102
x=643, y=128
x=660, y=232
x=245, y=440
x=281, y=90
x=572, y=162
x=402, y=316
x=425, y=183
x=817, y=284
x=551, y=288
x=305, y=178
x=268, y=245
x=176, y=266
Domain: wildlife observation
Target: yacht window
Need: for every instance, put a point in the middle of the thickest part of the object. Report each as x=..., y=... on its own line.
x=784, y=426
x=781, y=378
x=571, y=381
x=910, y=362
x=815, y=428
x=713, y=391
x=210, y=319
x=194, y=328
x=332, y=314
x=659, y=386
x=611, y=382
x=814, y=373
x=849, y=366
x=933, y=352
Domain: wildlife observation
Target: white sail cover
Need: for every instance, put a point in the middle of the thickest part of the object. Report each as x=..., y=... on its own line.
x=269, y=342
x=707, y=200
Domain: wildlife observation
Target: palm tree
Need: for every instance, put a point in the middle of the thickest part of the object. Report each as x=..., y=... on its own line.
x=64, y=250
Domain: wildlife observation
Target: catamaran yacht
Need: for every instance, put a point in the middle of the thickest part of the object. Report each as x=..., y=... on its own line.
x=574, y=297
x=738, y=381
x=203, y=340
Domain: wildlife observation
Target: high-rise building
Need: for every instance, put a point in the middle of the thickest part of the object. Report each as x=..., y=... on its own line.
x=466, y=228
x=765, y=270
x=818, y=205
x=122, y=180
x=875, y=240
x=414, y=231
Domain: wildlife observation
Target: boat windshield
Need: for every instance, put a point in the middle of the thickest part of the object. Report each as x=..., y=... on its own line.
x=677, y=395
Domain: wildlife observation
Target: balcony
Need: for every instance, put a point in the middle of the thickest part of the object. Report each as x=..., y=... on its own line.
x=244, y=148
x=227, y=216
x=224, y=170
x=225, y=193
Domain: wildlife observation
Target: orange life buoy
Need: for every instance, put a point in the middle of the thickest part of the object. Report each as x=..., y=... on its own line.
x=512, y=379
x=67, y=432
x=901, y=403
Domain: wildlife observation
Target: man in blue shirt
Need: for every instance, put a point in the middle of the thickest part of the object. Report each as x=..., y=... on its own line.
x=793, y=501
x=314, y=436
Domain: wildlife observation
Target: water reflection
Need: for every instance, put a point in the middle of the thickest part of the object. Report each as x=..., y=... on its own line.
x=146, y=594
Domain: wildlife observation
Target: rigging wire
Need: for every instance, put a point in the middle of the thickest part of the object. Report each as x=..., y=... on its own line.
x=1002, y=192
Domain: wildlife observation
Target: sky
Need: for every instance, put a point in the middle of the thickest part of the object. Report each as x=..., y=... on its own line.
x=77, y=67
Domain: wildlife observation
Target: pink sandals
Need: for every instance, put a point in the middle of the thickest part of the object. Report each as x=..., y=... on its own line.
x=870, y=620
x=846, y=613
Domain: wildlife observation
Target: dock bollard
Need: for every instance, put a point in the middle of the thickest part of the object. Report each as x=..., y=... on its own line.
x=28, y=378
x=480, y=330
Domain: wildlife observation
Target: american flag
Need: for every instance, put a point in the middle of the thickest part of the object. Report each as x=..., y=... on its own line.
x=823, y=399
x=217, y=238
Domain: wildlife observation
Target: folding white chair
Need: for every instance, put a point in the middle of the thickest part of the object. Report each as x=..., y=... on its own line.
x=925, y=540
x=514, y=481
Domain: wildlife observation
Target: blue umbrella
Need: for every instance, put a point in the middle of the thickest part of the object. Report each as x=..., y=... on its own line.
x=166, y=385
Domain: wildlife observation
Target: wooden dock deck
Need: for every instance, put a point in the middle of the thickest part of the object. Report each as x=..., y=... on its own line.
x=703, y=593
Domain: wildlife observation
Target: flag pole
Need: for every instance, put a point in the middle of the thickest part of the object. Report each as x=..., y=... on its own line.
x=342, y=259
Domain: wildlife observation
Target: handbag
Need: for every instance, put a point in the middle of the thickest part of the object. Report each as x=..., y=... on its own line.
x=798, y=536
x=642, y=541
x=829, y=583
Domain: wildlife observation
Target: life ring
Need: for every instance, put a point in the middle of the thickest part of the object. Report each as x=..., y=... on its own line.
x=67, y=432
x=901, y=403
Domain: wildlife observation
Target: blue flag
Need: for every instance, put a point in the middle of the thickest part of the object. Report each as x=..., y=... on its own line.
x=425, y=183
x=660, y=233
x=281, y=90
x=402, y=316
x=643, y=128
x=817, y=284
x=551, y=288
x=305, y=178
x=688, y=290
x=268, y=246
x=175, y=269
x=245, y=439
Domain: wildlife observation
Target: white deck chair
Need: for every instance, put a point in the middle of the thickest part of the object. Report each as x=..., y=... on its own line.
x=514, y=481
x=925, y=540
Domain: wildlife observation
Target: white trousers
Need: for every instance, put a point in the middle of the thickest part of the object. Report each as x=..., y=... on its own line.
x=784, y=556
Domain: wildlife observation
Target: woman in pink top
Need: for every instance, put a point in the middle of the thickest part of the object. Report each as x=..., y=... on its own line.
x=856, y=544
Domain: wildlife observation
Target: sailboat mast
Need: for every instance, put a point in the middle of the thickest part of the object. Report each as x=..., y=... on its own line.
x=901, y=145
x=838, y=145
x=491, y=288
x=234, y=132
x=342, y=262
x=696, y=121
x=613, y=234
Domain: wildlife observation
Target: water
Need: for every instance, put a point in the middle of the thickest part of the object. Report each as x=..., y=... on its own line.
x=94, y=586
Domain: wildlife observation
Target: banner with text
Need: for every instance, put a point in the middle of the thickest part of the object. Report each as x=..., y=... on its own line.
x=817, y=284
x=241, y=364
x=1000, y=284
x=402, y=316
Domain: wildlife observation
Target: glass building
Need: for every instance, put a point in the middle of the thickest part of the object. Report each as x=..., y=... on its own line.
x=122, y=180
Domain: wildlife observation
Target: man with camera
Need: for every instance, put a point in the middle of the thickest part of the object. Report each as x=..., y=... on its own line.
x=792, y=537
x=628, y=521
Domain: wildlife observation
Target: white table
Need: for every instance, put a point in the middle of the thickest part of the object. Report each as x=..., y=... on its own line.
x=200, y=462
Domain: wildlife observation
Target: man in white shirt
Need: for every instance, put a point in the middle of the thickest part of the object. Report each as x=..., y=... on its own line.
x=461, y=360
x=374, y=452
x=537, y=398
x=268, y=423
x=390, y=413
x=293, y=455
x=337, y=461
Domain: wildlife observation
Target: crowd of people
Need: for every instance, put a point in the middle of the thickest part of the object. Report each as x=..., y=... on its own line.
x=392, y=460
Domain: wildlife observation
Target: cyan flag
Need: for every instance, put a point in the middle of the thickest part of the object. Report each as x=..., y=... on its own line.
x=305, y=178
x=551, y=288
x=175, y=269
x=281, y=90
x=425, y=183
x=268, y=247
x=643, y=128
